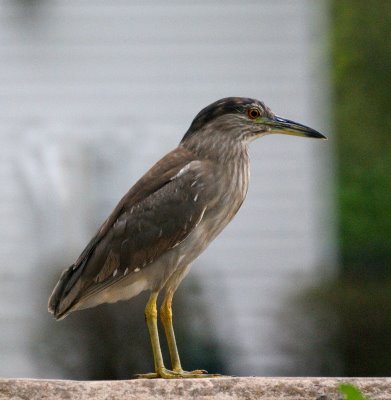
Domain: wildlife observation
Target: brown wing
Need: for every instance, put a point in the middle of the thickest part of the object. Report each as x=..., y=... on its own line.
x=158, y=212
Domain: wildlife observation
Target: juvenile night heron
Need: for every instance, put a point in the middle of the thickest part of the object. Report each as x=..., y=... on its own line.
x=169, y=217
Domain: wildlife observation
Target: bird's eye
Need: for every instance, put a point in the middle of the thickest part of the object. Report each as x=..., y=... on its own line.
x=253, y=113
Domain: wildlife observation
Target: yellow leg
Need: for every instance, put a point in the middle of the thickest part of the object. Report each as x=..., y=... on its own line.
x=166, y=318
x=160, y=370
x=151, y=318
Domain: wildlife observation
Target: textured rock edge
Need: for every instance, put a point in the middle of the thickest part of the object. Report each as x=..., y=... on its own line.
x=218, y=388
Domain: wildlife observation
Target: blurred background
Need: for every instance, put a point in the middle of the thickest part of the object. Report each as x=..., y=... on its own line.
x=92, y=93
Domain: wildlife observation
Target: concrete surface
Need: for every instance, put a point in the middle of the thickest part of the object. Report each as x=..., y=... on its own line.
x=227, y=388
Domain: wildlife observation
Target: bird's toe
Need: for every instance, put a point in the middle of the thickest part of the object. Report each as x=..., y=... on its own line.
x=179, y=374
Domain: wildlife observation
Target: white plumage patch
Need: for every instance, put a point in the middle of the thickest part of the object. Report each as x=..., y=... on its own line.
x=186, y=168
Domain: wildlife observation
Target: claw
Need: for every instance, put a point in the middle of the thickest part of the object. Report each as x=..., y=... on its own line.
x=197, y=372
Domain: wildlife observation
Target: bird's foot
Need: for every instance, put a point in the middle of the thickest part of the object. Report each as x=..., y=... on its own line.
x=197, y=373
x=177, y=374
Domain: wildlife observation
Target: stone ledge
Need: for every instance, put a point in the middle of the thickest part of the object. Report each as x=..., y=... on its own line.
x=228, y=388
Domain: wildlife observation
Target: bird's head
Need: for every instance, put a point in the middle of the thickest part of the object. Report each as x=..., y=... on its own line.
x=239, y=119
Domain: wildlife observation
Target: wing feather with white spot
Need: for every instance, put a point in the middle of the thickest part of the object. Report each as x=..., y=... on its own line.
x=157, y=214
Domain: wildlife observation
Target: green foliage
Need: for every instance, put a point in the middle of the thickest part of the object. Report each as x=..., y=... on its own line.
x=361, y=49
x=362, y=74
x=351, y=392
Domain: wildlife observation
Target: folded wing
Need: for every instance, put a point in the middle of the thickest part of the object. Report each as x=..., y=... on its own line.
x=157, y=214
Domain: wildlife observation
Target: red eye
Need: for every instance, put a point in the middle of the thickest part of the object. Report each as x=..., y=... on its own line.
x=253, y=113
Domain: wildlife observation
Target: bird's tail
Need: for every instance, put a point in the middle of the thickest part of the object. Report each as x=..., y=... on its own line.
x=59, y=305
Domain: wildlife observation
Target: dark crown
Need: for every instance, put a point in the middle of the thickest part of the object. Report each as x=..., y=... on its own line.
x=228, y=105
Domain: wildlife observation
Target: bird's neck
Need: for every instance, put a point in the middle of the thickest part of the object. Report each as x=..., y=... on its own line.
x=218, y=148
x=232, y=168
x=231, y=172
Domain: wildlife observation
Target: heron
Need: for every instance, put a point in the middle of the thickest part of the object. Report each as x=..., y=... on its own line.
x=169, y=217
